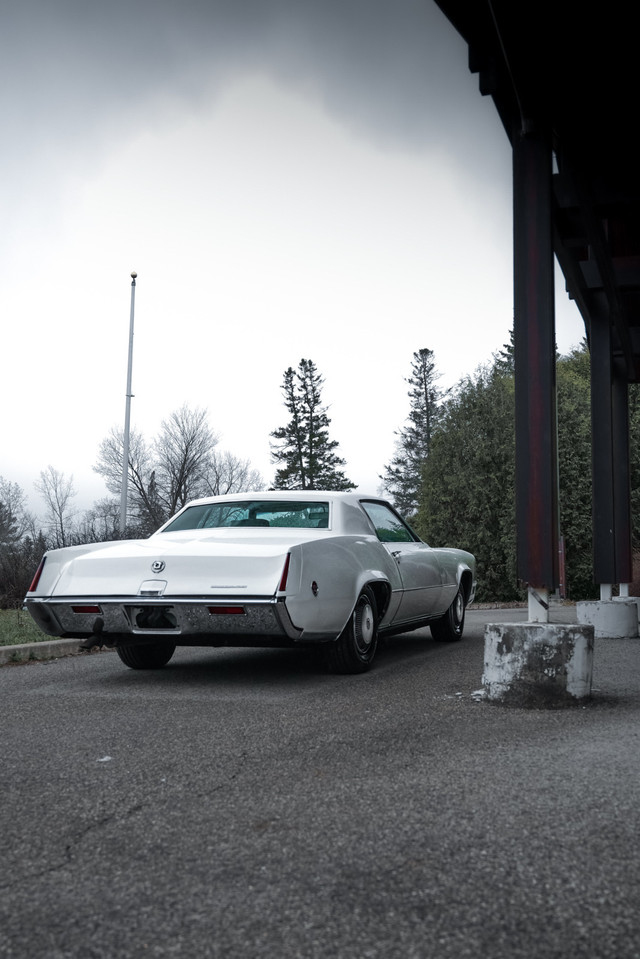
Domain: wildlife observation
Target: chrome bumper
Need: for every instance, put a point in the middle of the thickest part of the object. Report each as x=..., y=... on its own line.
x=181, y=620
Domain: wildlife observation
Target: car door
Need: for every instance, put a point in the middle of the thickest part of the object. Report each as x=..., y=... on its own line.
x=420, y=571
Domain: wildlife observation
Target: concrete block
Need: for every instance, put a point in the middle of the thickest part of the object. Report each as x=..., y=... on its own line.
x=630, y=599
x=610, y=618
x=47, y=649
x=537, y=664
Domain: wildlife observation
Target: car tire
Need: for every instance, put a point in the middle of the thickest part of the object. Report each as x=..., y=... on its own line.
x=355, y=648
x=449, y=628
x=150, y=656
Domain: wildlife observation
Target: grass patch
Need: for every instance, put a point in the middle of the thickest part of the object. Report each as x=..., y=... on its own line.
x=17, y=627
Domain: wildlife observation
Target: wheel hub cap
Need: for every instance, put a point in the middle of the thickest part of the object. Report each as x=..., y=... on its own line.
x=366, y=628
x=459, y=607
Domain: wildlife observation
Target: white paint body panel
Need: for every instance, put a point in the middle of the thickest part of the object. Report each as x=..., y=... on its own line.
x=190, y=572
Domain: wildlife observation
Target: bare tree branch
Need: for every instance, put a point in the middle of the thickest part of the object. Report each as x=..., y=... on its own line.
x=57, y=492
x=179, y=465
x=228, y=474
x=183, y=455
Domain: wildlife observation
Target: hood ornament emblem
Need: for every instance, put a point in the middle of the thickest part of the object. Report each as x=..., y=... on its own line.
x=157, y=566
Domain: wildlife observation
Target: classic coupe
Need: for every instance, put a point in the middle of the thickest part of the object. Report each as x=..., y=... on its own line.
x=257, y=569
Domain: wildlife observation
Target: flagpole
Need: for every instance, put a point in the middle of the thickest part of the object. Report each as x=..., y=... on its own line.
x=127, y=416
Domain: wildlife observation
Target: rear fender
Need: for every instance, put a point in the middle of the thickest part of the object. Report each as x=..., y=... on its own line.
x=333, y=573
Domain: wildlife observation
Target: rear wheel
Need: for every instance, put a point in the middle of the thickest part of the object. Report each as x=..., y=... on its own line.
x=355, y=648
x=151, y=656
x=449, y=628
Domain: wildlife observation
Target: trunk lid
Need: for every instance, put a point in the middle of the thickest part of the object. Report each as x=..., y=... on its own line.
x=200, y=562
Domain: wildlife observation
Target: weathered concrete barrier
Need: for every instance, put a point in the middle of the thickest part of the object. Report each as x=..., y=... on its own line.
x=537, y=664
x=611, y=618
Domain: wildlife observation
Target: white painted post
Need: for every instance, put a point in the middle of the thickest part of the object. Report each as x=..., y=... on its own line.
x=538, y=602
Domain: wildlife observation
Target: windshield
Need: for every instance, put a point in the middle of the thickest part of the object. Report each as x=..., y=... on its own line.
x=252, y=513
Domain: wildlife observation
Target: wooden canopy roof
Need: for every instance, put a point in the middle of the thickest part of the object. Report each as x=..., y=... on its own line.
x=570, y=70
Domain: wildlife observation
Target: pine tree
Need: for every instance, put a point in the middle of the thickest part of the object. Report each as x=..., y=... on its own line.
x=303, y=449
x=402, y=478
x=468, y=491
x=467, y=496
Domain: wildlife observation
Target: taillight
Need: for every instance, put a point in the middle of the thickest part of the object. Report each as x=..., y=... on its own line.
x=36, y=578
x=285, y=574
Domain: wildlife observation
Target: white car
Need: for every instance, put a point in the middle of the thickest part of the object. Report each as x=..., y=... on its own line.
x=257, y=569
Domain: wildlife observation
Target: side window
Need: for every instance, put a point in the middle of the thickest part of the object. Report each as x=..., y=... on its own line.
x=389, y=526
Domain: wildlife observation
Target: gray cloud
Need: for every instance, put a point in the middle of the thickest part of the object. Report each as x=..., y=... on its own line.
x=392, y=70
x=75, y=75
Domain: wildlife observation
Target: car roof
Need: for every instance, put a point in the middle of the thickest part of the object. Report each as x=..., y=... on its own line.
x=348, y=514
x=286, y=496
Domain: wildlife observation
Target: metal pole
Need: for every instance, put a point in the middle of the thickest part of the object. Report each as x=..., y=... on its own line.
x=127, y=416
x=535, y=370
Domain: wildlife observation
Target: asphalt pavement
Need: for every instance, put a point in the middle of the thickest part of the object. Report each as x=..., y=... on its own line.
x=243, y=803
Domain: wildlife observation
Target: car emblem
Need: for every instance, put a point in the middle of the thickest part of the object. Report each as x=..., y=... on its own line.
x=158, y=566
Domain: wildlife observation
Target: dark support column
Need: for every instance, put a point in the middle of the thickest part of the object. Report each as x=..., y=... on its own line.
x=621, y=475
x=612, y=557
x=535, y=381
x=604, y=563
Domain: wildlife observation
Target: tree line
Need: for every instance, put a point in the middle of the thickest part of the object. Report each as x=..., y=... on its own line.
x=451, y=474
x=466, y=486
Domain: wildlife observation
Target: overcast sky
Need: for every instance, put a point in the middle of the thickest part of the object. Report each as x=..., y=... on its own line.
x=289, y=178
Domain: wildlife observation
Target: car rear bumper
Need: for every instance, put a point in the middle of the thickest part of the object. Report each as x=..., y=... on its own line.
x=184, y=620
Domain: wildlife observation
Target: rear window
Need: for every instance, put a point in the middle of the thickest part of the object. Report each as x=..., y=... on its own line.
x=252, y=513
